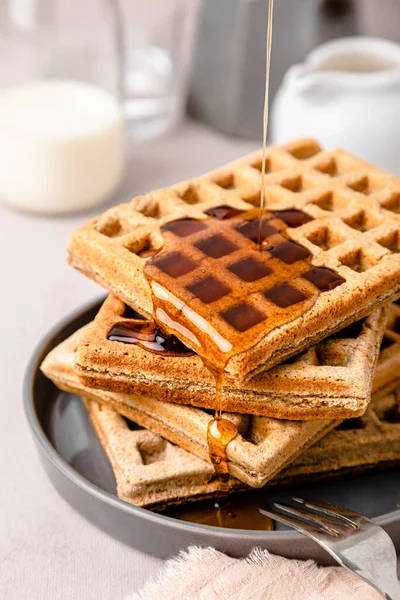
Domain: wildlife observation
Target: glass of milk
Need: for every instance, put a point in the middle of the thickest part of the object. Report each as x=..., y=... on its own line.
x=61, y=146
x=62, y=132
x=74, y=79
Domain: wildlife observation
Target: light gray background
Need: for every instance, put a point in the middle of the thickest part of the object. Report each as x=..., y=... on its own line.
x=47, y=551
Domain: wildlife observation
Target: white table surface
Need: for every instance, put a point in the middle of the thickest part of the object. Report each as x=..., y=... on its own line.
x=47, y=550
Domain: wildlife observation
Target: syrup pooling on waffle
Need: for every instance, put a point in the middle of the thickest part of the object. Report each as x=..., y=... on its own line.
x=150, y=337
x=261, y=448
x=355, y=232
x=336, y=372
x=213, y=286
x=134, y=329
x=215, y=290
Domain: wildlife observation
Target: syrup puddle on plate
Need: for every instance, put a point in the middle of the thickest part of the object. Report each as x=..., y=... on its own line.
x=240, y=511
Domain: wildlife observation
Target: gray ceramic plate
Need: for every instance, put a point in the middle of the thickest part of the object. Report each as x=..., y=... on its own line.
x=79, y=470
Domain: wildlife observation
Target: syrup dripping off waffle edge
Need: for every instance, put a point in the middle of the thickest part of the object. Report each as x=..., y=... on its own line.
x=221, y=431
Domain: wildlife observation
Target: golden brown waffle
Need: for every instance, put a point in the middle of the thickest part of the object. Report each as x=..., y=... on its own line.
x=261, y=449
x=360, y=443
x=332, y=380
x=355, y=232
x=150, y=471
x=153, y=472
x=388, y=366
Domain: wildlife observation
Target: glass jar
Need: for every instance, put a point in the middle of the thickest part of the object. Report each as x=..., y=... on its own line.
x=61, y=124
x=72, y=80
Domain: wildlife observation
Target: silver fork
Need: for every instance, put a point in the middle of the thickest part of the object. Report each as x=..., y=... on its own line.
x=353, y=540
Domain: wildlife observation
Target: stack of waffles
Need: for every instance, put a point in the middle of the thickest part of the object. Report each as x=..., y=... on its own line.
x=283, y=320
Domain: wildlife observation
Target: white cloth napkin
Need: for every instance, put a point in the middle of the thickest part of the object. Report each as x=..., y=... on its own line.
x=206, y=574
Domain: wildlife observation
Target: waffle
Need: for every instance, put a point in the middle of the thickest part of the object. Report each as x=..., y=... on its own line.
x=388, y=367
x=261, y=449
x=149, y=471
x=359, y=444
x=332, y=380
x=316, y=278
x=155, y=473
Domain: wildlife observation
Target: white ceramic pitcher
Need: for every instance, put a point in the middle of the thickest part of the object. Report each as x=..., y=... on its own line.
x=346, y=94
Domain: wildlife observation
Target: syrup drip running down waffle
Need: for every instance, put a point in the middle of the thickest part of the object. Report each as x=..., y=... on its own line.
x=262, y=447
x=195, y=289
x=213, y=287
x=330, y=380
x=357, y=446
x=152, y=472
x=256, y=324
x=354, y=232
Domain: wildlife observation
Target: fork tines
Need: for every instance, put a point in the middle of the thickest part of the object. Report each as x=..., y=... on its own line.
x=317, y=517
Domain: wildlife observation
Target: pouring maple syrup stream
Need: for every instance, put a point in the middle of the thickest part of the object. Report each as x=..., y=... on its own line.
x=222, y=431
x=265, y=115
x=172, y=313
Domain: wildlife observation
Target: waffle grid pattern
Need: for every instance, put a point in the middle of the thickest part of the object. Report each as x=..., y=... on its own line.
x=364, y=441
x=260, y=450
x=217, y=262
x=350, y=193
x=338, y=371
x=145, y=465
x=355, y=231
x=388, y=366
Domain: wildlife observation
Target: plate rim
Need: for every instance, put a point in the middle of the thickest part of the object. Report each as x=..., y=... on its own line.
x=45, y=446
